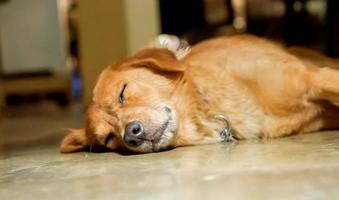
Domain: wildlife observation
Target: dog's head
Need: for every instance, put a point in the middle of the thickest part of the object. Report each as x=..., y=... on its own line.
x=133, y=106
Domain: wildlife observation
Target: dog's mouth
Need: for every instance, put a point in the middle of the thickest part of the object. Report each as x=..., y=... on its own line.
x=158, y=138
x=158, y=133
x=165, y=132
x=151, y=144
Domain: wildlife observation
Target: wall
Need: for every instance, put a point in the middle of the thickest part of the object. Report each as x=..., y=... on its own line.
x=142, y=22
x=102, y=38
x=31, y=38
x=110, y=30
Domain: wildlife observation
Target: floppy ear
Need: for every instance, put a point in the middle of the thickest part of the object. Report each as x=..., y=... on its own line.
x=75, y=141
x=159, y=59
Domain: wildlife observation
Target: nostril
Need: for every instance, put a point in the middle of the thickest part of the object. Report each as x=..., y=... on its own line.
x=136, y=130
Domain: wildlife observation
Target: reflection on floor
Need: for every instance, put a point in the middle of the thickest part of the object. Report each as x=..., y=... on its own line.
x=297, y=167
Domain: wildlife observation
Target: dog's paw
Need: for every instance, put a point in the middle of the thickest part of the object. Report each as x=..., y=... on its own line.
x=179, y=47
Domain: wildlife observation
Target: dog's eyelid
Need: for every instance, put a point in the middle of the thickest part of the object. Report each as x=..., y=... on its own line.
x=121, y=95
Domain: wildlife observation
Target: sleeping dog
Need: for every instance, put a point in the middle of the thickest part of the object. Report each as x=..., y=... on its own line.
x=168, y=95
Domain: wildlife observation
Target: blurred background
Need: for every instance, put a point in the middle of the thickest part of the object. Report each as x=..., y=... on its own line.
x=51, y=51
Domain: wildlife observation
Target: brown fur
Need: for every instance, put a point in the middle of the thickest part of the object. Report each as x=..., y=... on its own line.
x=266, y=91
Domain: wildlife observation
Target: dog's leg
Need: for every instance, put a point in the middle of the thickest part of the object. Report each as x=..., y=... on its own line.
x=325, y=84
x=318, y=102
x=326, y=77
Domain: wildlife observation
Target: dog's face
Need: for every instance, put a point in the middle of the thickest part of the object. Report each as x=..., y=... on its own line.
x=132, y=107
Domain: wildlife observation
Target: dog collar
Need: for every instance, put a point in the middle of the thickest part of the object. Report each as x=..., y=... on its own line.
x=226, y=133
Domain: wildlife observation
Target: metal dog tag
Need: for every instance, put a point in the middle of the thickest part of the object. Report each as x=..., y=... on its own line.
x=226, y=133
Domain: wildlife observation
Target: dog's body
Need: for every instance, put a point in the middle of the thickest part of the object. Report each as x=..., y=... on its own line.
x=265, y=91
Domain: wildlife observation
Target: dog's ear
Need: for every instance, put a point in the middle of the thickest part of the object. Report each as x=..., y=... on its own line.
x=75, y=141
x=159, y=59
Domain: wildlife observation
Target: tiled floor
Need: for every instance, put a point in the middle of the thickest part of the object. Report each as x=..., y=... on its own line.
x=298, y=167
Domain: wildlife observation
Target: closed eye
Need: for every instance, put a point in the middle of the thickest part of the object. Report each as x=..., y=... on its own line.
x=122, y=96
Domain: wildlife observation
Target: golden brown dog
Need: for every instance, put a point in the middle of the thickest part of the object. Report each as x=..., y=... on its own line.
x=152, y=101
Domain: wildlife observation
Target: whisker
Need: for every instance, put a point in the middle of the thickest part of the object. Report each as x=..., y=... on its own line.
x=90, y=148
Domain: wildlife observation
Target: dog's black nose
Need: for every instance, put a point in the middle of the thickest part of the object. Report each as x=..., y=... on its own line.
x=134, y=134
